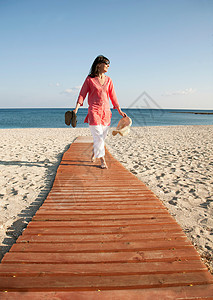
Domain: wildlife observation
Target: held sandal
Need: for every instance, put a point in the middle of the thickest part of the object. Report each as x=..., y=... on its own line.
x=68, y=117
x=74, y=119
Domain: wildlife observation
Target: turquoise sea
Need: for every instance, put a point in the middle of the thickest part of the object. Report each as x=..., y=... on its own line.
x=54, y=117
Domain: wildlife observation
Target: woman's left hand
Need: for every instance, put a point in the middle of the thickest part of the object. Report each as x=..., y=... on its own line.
x=122, y=113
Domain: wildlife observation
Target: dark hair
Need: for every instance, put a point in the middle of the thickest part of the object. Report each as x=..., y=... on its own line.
x=94, y=69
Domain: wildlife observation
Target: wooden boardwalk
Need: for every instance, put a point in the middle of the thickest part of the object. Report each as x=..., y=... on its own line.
x=102, y=234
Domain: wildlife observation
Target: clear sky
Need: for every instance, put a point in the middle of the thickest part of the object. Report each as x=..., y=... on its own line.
x=162, y=47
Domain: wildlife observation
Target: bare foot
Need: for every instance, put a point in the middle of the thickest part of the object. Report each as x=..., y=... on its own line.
x=103, y=164
x=93, y=159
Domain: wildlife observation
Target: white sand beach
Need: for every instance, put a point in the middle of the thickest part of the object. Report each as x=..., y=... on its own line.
x=175, y=162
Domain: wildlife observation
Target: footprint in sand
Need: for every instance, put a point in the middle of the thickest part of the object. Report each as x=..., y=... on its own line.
x=173, y=201
x=203, y=221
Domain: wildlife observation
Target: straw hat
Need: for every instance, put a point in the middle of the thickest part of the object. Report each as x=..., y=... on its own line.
x=123, y=127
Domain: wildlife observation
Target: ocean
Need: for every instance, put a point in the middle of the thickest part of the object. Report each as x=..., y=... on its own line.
x=54, y=117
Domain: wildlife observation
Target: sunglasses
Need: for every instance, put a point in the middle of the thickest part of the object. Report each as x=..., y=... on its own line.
x=106, y=62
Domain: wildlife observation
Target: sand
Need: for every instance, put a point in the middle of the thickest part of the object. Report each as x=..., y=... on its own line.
x=175, y=162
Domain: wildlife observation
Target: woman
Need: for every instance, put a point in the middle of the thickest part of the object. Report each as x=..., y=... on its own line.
x=99, y=88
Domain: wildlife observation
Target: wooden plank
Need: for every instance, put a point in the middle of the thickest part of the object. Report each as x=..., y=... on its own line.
x=98, y=203
x=82, y=207
x=93, y=199
x=103, y=282
x=180, y=243
x=101, y=181
x=95, y=269
x=104, y=191
x=197, y=292
x=100, y=230
x=105, y=223
x=99, y=206
x=85, y=213
x=103, y=186
x=98, y=257
x=71, y=217
x=96, y=197
x=26, y=238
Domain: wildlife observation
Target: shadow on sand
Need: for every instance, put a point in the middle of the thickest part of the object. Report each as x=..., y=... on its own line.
x=26, y=215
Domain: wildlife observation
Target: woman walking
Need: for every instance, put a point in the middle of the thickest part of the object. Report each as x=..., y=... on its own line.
x=99, y=88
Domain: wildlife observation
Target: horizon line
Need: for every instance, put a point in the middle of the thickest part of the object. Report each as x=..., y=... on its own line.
x=145, y=108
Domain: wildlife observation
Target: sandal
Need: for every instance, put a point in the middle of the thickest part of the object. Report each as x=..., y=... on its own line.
x=68, y=117
x=73, y=119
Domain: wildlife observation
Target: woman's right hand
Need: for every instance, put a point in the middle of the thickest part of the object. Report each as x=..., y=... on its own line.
x=76, y=108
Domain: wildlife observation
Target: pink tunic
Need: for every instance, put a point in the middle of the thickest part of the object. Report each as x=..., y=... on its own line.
x=98, y=99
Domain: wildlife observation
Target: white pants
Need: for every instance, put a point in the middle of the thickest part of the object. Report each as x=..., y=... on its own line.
x=99, y=133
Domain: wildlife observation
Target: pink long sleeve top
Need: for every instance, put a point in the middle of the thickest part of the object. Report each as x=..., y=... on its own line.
x=98, y=99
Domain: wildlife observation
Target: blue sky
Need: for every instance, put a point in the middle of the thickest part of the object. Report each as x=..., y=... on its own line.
x=162, y=47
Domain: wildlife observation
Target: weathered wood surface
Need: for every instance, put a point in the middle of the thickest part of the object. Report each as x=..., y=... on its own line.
x=102, y=234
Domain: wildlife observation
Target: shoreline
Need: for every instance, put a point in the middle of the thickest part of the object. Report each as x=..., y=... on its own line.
x=175, y=162
x=86, y=128
x=190, y=112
